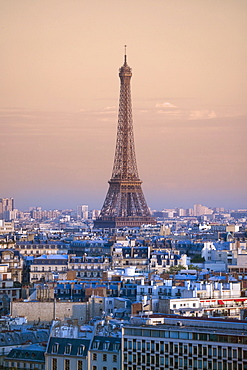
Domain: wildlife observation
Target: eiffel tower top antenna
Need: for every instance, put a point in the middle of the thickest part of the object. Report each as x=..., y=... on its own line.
x=125, y=54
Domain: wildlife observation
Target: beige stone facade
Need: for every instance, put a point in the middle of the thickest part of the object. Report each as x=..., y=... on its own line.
x=48, y=311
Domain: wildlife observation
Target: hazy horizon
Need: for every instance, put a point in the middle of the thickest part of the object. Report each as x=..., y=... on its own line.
x=60, y=92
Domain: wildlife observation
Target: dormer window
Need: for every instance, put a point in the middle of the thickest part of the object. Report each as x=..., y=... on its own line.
x=67, y=349
x=80, y=350
x=96, y=344
x=106, y=345
x=55, y=347
x=116, y=346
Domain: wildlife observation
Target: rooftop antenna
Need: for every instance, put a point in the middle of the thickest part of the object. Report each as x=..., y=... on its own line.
x=125, y=54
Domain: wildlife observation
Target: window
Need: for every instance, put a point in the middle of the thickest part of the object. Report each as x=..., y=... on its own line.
x=104, y=357
x=54, y=364
x=94, y=367
x=116, y=346
x=79, y=365
x=96, y=344
x=106, y=345
x=55, y=348
x=80, y=350
x=66, y=364
x=104, y=368
x=114, y=358
x=67, y=349
x=94, y=356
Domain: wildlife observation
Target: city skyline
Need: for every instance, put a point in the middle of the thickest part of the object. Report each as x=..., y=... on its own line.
x=59, y=102
x=80, y=208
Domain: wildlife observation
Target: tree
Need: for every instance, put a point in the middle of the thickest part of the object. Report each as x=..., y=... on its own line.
x=194, y=267
x=174, y=269
x=197, y=259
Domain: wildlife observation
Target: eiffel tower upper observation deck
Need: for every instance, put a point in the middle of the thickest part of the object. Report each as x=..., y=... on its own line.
x=124, y=204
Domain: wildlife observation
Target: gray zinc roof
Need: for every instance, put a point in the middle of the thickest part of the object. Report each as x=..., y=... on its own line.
x=32, y=353
x=73, y=343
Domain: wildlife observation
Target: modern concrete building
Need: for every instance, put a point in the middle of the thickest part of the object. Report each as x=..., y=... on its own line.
x=191, y=345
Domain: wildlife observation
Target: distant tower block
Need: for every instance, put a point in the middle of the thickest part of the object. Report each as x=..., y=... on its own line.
x=124, y=204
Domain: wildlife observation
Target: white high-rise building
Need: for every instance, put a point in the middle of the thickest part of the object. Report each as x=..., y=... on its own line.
x=82, y=212
x=200, y=210
x=95, y=213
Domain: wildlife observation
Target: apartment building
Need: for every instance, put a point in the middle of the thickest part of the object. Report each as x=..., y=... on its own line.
x=14, y=262
x=8, y=290
x=105, y=353
x=48, y=268
x=124, y=256
x=6, y=227
x=11, y=339
x=71, y=347
x=88, y=267
x=36, y=249
x=185, y=346
x=26, y=357
x=67, y=353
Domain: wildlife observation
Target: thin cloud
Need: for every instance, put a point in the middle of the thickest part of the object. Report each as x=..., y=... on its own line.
x=105, y=110
x=165, y=105
x=110, y=108
x=170, y=112
x=83, y=110
x=202, y=114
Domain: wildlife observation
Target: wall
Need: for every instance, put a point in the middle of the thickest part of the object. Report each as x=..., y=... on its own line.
x=47, y=311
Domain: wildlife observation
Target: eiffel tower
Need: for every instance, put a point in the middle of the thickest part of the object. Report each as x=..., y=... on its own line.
x=124, y=204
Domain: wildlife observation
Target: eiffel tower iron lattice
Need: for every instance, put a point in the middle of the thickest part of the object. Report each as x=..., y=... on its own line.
x=125, y=204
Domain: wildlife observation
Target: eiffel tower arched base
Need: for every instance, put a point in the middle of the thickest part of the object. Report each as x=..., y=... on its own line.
x=119, y=222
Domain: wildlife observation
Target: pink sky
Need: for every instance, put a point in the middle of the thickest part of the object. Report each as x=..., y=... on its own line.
x=60, y=91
